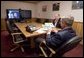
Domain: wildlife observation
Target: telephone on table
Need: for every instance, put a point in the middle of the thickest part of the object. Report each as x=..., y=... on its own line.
x=30, y=28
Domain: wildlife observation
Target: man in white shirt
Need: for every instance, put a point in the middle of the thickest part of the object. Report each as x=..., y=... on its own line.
x=56, y=21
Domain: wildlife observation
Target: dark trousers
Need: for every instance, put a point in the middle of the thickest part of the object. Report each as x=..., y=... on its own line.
x=39, y=40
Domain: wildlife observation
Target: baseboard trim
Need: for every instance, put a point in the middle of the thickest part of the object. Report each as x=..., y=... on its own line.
x=3, y=30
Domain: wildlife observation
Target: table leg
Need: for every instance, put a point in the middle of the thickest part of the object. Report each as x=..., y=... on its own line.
x=32, y=42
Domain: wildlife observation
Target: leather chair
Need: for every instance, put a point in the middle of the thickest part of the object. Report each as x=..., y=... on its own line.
x=10, y=28
x=16, y=37
x=38, y=20
x=70, y=44
x=17, y=40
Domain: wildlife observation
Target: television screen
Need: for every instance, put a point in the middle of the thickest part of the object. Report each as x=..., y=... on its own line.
x=13, y=14
x=25, y=14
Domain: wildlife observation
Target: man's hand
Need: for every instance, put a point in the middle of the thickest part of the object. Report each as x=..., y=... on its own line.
x=49, y=31
x=54, y=30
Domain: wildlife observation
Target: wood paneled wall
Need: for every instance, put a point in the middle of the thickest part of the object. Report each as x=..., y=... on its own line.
x=78, y=27
x=3, y=24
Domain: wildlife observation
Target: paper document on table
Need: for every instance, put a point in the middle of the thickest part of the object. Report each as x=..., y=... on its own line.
x=41, y=30
x=49, y=24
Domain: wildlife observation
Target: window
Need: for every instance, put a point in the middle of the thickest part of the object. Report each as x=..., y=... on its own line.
x=77, y=5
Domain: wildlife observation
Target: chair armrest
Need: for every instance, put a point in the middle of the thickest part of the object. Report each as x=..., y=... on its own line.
x=15, y=33
x=44, y=42
x=52, y=51
x=14, y=38
x=43, y=51
x=49, y=48
x=19, y=41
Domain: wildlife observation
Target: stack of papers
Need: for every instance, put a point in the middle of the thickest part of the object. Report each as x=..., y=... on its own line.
x=41, y=30
x=49, y=24
x=45, y=27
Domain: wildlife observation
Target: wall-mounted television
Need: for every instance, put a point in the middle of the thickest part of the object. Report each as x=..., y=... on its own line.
x=13, y=14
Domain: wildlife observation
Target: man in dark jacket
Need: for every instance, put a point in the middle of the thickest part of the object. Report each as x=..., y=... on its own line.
x=56, y=39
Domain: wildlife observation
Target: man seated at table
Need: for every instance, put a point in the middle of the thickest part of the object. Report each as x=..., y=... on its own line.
x=56, y=38
x=56, y=21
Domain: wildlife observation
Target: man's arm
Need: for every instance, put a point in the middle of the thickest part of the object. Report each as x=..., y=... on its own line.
x=54, y=40
x=51, y=32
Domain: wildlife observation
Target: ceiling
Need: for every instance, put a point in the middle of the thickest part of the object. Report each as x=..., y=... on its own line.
x=31, y=1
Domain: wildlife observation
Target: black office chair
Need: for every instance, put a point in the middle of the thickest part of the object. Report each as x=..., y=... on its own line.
x=70, y=44
x=38, y=20
x=16, y=36
x=11, y=28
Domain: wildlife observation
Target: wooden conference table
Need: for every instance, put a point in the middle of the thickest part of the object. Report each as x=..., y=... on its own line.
x=21, y=27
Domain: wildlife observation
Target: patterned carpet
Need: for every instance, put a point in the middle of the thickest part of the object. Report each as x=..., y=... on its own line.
x=6, y=45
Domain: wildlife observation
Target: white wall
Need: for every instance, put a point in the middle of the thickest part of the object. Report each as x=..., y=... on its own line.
x=65, y=10
x=16, y=5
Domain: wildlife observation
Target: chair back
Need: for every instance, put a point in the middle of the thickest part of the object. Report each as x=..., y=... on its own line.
x=70, y=44
x=8, y=26
x=38, y=20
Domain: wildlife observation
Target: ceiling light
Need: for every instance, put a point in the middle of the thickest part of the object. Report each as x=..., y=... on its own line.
x=77, y=1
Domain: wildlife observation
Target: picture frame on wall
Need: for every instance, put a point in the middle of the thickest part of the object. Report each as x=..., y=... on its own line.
x=44, y=8
x=77, y=5
x=56, y=6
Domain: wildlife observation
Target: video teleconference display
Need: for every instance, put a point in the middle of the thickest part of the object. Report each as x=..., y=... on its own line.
x=18, y=14
x=13, y=14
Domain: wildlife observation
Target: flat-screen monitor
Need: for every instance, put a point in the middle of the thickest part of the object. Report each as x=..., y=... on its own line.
x=13, y=14
x=25, y=14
